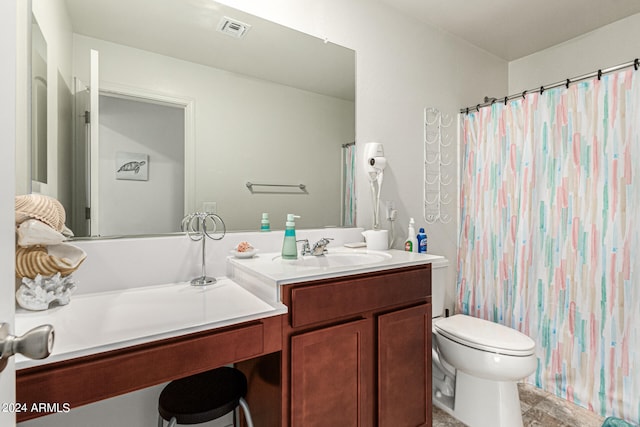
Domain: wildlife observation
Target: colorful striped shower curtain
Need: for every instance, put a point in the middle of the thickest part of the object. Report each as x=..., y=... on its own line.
x=550, y=234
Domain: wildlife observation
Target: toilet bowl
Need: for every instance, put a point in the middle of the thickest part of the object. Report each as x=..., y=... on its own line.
x=476, y=365
x=488, y=359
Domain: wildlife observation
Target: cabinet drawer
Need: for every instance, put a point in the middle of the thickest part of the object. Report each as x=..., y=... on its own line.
x=334, y=298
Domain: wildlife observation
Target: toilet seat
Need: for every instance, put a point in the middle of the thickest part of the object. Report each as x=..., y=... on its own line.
x=484, y=335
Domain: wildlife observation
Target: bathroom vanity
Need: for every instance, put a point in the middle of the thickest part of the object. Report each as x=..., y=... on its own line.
x=356, y=350
x=356, y=341
x=111, y=343
x=342, y=340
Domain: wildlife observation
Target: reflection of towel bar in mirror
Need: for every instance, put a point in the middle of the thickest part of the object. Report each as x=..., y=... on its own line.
x=301, y=187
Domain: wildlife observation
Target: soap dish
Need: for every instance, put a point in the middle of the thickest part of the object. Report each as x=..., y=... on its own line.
x=246, y=254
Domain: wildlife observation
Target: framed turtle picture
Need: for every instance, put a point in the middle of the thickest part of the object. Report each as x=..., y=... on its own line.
x=132, y=166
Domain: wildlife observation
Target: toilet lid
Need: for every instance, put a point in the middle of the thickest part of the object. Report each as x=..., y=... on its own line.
x=485, y=335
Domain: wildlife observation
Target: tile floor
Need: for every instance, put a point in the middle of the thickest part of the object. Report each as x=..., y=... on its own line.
x=539, y=408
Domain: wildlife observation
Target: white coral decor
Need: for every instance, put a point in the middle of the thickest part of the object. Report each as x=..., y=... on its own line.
x=39, y=293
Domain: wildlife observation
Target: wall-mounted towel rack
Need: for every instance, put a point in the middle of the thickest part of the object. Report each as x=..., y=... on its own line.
x=301, y=187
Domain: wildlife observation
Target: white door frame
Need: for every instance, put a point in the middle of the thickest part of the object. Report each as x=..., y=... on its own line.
x=188, y=104
x=8, y=52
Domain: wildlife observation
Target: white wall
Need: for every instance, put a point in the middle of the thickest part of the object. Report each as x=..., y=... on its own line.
x=402, y=66
x=240, y=123
x=152, y=206
x=614, y=44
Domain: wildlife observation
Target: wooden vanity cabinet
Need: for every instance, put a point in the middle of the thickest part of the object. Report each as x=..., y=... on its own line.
x=87, y=379
x=332, y=375
x=357, y=350
x=404, y=367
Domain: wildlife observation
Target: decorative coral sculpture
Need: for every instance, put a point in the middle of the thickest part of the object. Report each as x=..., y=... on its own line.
x=41, y=292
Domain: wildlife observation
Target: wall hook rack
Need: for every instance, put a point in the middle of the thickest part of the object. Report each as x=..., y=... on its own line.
x=436, y=137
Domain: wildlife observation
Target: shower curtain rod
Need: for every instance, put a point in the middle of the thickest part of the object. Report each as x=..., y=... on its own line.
x=490, y=101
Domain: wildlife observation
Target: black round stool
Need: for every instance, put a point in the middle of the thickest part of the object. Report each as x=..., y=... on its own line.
x=203, y=397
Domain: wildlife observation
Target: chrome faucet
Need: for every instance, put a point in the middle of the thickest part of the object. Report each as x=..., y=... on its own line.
x=306, y=249
x=320, y=247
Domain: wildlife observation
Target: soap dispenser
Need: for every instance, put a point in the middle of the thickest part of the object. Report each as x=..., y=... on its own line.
x=264, y=224
x=289, y=248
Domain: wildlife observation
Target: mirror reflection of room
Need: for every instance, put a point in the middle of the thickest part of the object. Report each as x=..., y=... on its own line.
x=256, y=109
x=39, y=104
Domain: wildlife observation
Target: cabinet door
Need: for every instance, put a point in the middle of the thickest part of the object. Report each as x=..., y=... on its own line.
x=404, y=367
x=332, y=376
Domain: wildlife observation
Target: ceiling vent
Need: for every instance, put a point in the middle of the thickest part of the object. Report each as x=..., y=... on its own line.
x=233, y=27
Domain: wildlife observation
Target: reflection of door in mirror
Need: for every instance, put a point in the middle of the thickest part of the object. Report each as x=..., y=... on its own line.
x=38, y=105
x=127, y=126
x=141, y=169
x=85, y=125
x=80, y=200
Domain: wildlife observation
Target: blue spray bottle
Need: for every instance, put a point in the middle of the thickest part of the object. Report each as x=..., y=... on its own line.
x=422, y=241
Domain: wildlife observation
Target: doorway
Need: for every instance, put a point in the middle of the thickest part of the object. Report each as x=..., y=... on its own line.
x=141, y=171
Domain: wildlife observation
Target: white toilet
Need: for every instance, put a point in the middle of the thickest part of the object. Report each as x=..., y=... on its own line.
x=476, y=364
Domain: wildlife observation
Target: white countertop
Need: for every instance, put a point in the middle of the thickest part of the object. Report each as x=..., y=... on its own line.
x=103, y=321
x=93, y=323
x=264, y=276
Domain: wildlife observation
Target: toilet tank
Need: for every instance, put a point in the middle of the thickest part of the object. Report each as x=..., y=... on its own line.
x=439, y=266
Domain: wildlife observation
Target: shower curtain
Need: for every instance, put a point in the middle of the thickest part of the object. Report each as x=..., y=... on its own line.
x=348, y=184
x=549, y=239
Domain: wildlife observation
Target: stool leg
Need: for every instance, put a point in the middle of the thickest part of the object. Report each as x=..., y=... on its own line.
x=172, y=422
x=160, y=421
x=247, y=414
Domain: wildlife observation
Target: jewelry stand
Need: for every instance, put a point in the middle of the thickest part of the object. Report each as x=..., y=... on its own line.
x=198, y=225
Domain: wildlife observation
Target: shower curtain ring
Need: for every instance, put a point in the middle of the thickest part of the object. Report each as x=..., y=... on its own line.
x=568, y=81
x=524, y=95
x=541, y=89
x=636, y=64
x=478, y=108
x=599, y=74
x=506, y=98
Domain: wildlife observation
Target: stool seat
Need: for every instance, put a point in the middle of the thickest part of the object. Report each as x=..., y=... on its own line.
x=203, y=397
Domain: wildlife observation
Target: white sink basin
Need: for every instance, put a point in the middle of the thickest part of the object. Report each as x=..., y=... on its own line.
x=336, y=259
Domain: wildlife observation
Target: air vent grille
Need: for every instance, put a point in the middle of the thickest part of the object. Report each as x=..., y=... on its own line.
x=233, y=27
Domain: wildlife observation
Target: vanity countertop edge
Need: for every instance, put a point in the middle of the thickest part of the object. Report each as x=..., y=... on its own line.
x=265, y=278
x=99, y=322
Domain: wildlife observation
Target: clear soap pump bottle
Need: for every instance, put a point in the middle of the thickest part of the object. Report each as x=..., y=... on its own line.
x=289, y=248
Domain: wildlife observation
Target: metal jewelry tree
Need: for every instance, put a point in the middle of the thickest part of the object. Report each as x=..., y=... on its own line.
x=198, y=225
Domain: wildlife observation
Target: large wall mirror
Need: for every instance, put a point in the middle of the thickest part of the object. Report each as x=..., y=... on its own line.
x=159, y=108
